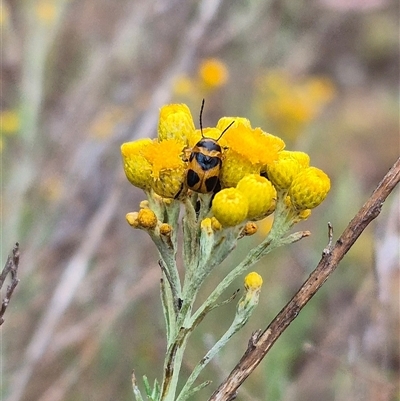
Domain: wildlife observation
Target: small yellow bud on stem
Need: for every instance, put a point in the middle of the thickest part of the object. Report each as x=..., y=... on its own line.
x=132, y=220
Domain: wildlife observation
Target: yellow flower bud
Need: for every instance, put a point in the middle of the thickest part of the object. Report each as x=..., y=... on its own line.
x=165, y=229
x=176, y=122
x=144, y=204
x=309, y=188
x=253, y=282
x=206, y=225
x=210, y=225
x=249, y=300
x=137, y=168
x=215, y=224
x=147, y=219
x=132, y=219
x=260, y=194
x=230, y=207
x=302, y=215
x=281, y=172
x=249, y=229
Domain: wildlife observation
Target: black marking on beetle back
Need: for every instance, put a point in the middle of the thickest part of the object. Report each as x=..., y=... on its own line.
x=211, y=182
x=207, y=162
x=192, y=178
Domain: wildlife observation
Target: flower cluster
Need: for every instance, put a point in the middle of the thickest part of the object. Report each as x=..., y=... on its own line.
x=255, y=169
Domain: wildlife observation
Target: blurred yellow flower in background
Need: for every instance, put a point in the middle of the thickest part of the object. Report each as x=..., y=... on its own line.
x=10, y=124
x=290, y=103
x=52, y=188
x=4, y=14
x=46, y=11
x=105, y=122
x=213, y=73
x=9, y=121
x=183, y=85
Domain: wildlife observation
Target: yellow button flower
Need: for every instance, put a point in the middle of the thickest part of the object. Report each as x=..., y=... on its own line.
x=176, y=122
x=234, y=168
x=283, y=170
x=255, y=145
x=230, y=207
x=269, y=146
x=157, y=165
x=168, y=168
x=137, y=167
x=260, y=194
x=248, y=150
x=309, y=188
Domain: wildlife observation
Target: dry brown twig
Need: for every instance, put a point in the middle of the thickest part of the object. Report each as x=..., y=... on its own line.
x=11, y=267
x=262, y=341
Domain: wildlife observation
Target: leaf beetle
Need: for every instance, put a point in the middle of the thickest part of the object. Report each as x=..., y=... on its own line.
x=204, y=163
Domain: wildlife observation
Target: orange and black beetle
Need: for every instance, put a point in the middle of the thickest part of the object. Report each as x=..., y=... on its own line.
x=205, y=162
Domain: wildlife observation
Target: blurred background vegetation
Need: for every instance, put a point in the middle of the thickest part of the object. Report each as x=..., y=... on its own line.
x=79, y=78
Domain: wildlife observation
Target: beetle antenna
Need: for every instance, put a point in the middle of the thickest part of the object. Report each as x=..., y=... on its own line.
x=226, y=129
x=201, y=117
